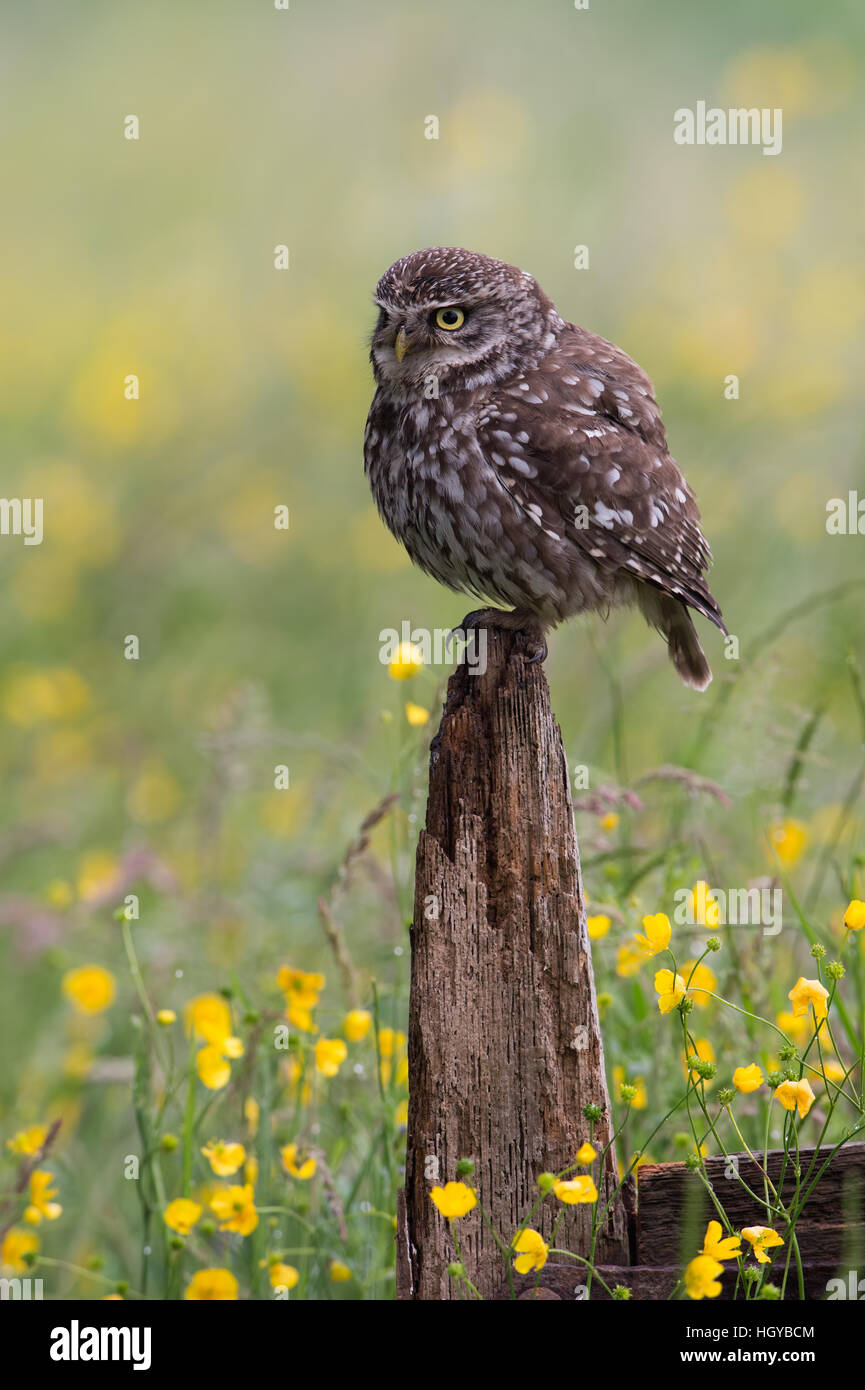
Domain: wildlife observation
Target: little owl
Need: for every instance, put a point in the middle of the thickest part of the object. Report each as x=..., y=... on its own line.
x=522, y=459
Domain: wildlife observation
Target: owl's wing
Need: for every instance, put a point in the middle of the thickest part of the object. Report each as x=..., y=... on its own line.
x=578, y=444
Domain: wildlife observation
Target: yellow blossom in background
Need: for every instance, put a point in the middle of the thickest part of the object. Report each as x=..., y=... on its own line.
x=282, y=1276
x=854, y=917
x=416, y=715
x=629, y=958
x=212, y=1285
x=406, y=663
x=301, y=989
x=598, y=926
x=718, y=1248
x=251, y=1112
x=532, y=1251
x=788, y=840
x=209, y=1017
x=807, y=994
x=59, y=893
x=657, y=934
x=181, y=1215
x=356, y=1024
x=154, y=797
x=298, y=1088
x=330, y=1053
x=747, y=1079
x=302, y=1170
x=98, y=876
x=670, y=990
x=28, y=1141
x=34, y=695
x=214, y=1071
x=41, y=1195
x=699, y=978
x=235, y=1209
x=701, y=1277
x=575, y=1191
x=795, y=1095
x=15, y=1246
x=761, y=1239
x=339, y=1272
x=795, y=1026
x=704, y=908
x=586, y=1154
x=166, y=1017
x=453, y=1200
x=91, y=988
x=609, y=821
x=833, y=1071
x=223, y=1158
x=400, y=1115
x=390, y=1041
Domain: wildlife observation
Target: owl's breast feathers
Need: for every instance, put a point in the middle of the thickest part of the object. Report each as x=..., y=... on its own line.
x=550, y=489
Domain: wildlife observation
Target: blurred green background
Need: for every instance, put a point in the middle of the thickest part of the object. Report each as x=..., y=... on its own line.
x=260, y=647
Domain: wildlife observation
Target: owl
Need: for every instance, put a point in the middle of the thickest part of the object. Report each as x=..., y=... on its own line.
x=522, y=460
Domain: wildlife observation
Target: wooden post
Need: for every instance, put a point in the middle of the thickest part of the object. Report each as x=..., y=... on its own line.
x=504, y=1043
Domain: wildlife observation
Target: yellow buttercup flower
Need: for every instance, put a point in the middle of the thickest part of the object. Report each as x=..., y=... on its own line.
x=575, y=1191
x=235, y=1209
x=390, y=1041
x=15, y=1246
x=716, y=1248
x=41, y=1195
x=209, y=1017
x=214, y=1071
x=657, y=934
x=406, y=663
x=795, y=1095
x=598, y=926
x=28, y=1141
x=807, y=994
x=416, y=715
x=704, y=908
x=609, y=821
x=761, y=1238
x=628, y=960
x=301, y=989
x=181, y=1215
x=166, y=1017
x=788, y=840
x=214, y=1285
x=747, y=1079
x=453, y=1200
x=91, y=988
x=339, y=1272
x=854, y=917
x=302, y=1170
x=282, y=1276
x=330, y=1053
x=223, y=1158
x=532, y=1251
x=701, y=1277
x=586, y=1154
x=356, y=1024
x=670, y=989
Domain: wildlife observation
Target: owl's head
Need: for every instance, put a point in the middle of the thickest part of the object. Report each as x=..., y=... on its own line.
x=459, y=317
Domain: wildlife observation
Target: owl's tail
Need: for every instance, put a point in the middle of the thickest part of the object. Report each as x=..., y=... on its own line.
x=673, y=621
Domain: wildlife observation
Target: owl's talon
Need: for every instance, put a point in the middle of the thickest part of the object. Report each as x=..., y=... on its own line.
x=536, y=651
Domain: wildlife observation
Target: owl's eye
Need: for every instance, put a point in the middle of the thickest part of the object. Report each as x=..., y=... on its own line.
x=450, y=318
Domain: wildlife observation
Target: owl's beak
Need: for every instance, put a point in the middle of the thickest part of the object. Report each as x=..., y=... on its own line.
x=400, y=346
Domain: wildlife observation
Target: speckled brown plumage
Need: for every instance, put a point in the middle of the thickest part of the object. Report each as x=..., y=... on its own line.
x=522, y=459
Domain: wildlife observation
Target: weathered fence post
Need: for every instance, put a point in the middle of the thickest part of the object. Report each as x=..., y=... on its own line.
x=504, y=1043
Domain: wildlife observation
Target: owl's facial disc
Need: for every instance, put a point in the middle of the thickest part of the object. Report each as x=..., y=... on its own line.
x=444, y=340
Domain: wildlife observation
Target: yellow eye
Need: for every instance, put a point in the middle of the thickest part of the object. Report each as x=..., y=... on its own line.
x=450, y=318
